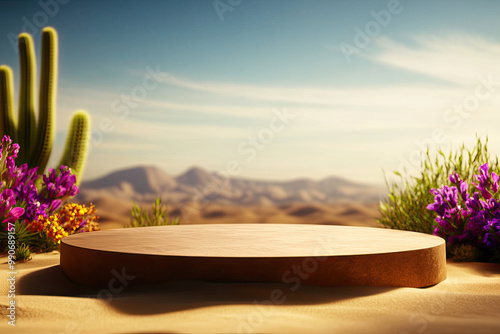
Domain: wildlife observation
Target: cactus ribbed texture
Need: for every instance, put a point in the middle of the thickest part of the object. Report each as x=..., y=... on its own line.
x=36, y=137
x=47, y=100
x=7, y=123
x=27, y=130
x=75, y=150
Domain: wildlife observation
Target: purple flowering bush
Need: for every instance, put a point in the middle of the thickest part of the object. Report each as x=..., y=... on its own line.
x=465, y=219
x=469, y=221
x=26, y=198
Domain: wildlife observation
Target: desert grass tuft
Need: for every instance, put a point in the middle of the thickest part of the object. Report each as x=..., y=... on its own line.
x=23, y=253
x=158, y=216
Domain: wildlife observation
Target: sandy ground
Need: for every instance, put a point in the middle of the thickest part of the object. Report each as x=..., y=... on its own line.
x=115, y=213
x=468, y=301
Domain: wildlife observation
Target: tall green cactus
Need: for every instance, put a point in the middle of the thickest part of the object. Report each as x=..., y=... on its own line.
x=75, y=149
x=36, y=137
x=27, y=123
x=7, y=122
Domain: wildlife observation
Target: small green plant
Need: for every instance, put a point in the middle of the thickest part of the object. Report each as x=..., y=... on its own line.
x=157, y=217
x=23, y=234
x=23, y=253
x=405, y=208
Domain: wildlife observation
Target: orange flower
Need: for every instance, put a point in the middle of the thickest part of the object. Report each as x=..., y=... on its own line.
x=71, y=218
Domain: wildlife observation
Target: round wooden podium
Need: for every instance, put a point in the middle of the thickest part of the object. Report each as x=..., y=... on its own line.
x=290, y=254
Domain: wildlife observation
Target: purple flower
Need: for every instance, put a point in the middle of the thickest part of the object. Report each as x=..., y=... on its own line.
x=19, y=197
x=492, y=205
x=473, y=203
x=7, y=148
x=450, y=195
x=7, y=200
x=464, y=187
x=54, y=205
x=471, y=219
x=494, y=180
x=477, y=222
x=484, y=183
x=454, y=178
x=60, y=184
x=445, y=198
x=438, y=206
x=14, y=215
x=445, y=225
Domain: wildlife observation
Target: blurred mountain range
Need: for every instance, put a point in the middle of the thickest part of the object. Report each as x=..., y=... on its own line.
x=199, y=196
x=143, y=183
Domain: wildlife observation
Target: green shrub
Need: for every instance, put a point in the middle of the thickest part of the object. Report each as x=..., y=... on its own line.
x=23, y=253
x=157, y=217
x=22, y=233
x=405, y=208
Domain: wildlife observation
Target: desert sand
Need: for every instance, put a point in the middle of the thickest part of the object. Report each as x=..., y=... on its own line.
x=468, y=301
x=115, y=213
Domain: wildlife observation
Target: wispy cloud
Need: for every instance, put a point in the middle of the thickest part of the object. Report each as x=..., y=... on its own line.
x=237, y=111
x=455, y=58
x=363, y=97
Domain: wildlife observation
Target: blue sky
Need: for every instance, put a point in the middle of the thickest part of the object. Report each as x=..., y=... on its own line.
x=362, y=94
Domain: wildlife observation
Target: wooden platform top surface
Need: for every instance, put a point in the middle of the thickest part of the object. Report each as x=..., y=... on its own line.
x=253, y=240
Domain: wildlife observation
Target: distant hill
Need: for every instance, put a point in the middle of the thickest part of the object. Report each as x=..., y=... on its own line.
x=142, y=180
x=195, y=177
x=143, y=183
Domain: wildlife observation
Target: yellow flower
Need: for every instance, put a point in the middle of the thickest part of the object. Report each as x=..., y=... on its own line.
x=56, y=233
x=68, y=220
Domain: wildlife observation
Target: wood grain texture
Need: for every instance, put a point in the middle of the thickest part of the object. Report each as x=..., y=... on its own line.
x=291, y=254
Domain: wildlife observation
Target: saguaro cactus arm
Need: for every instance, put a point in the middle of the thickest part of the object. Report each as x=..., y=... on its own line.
x=7, y=120
x=75, y=150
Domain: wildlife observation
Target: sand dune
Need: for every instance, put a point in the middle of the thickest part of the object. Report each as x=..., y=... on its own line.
x=115, y=213
x=307, y=210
